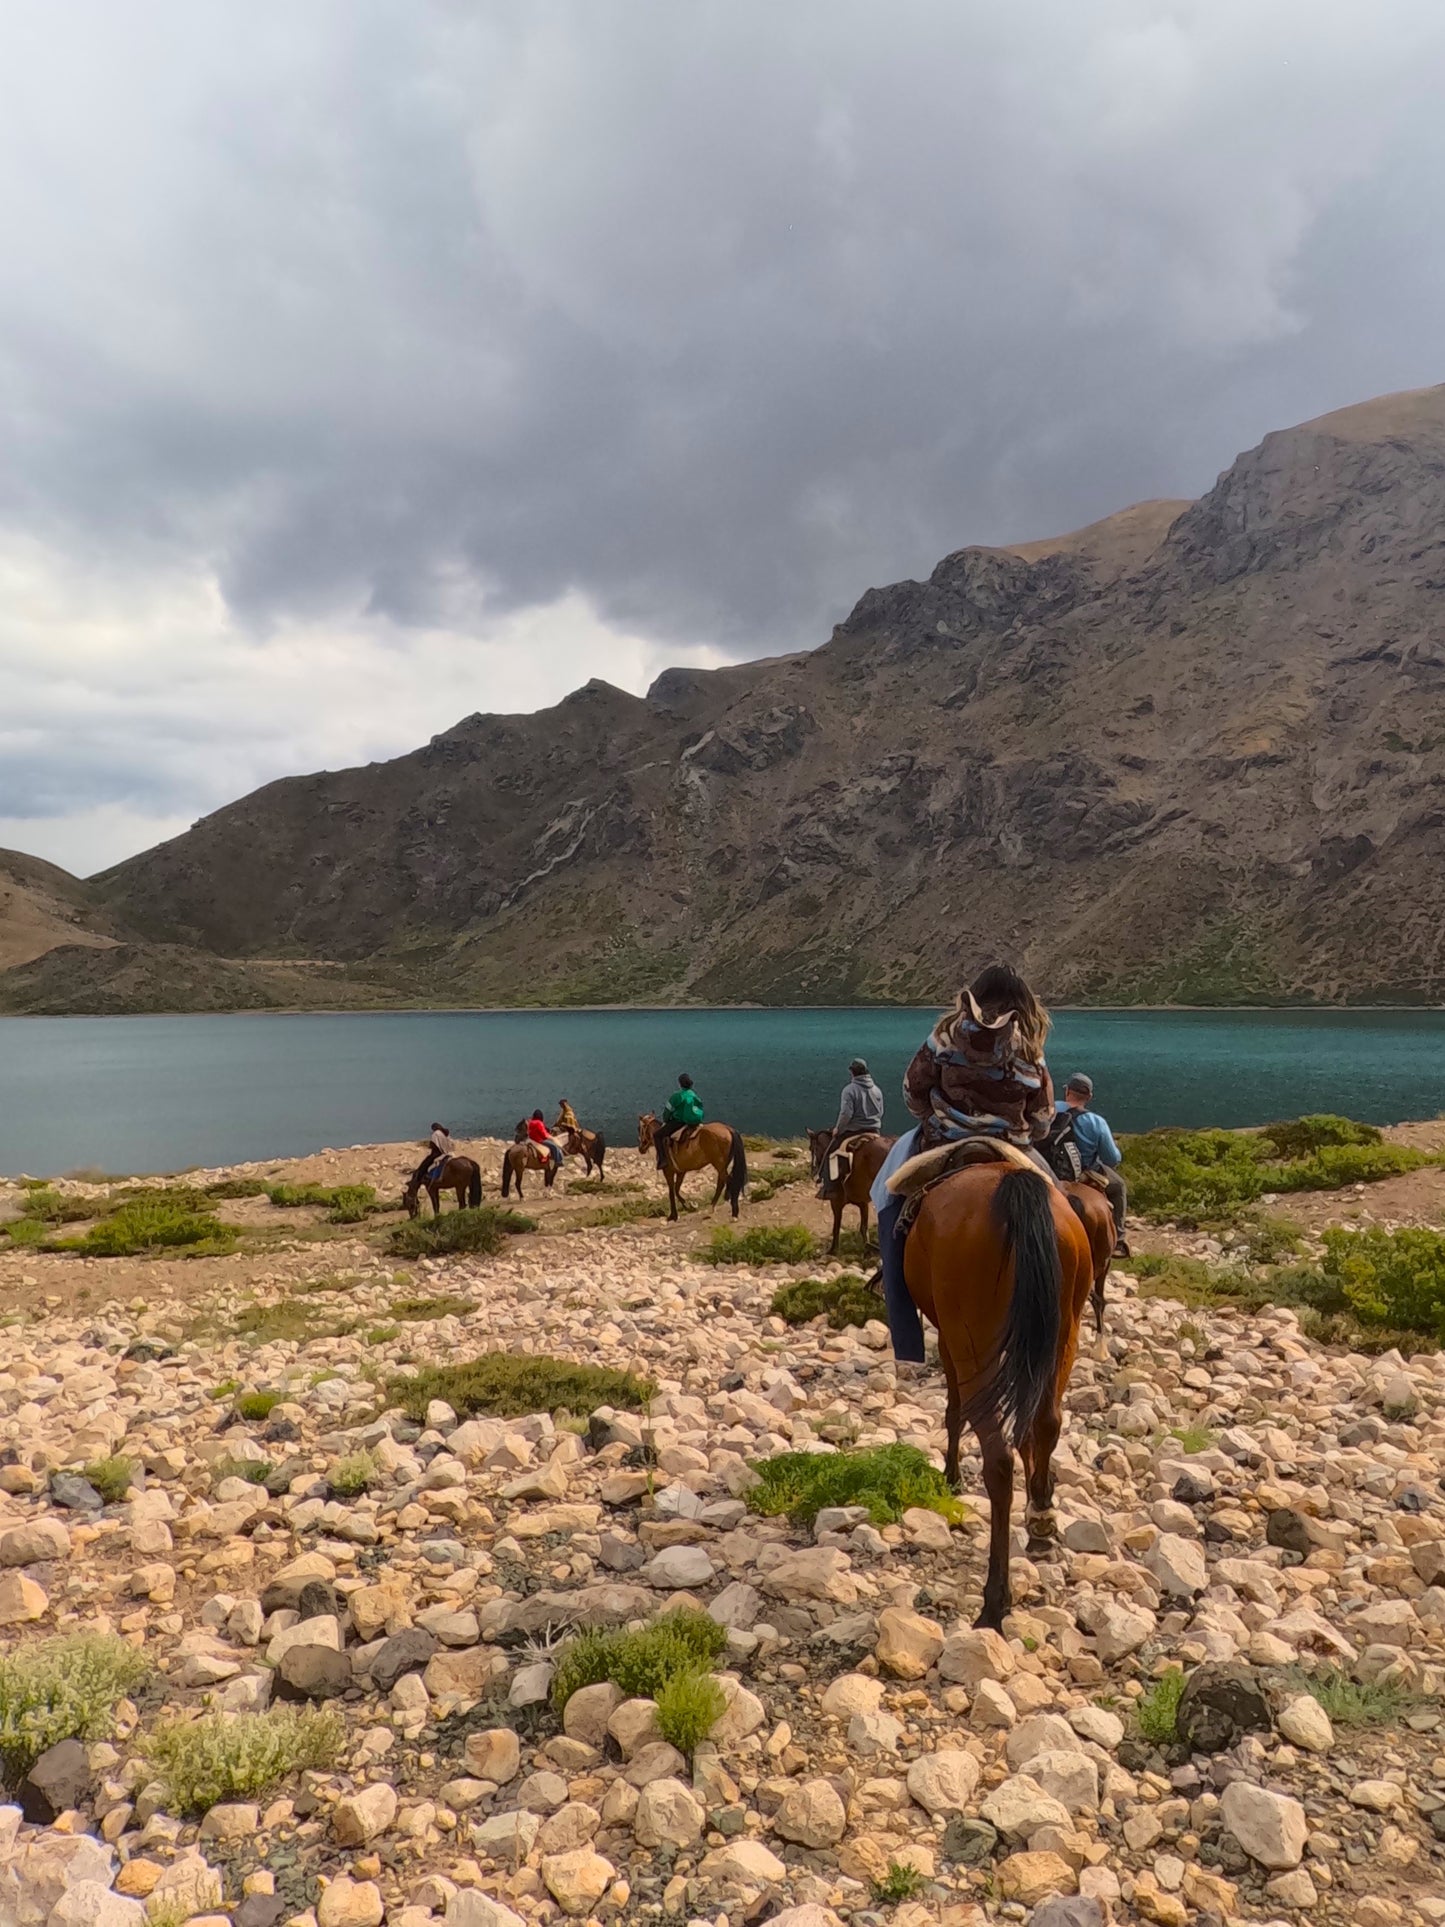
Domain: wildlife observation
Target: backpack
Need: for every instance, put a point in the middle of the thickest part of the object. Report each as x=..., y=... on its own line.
x=1060, y=1149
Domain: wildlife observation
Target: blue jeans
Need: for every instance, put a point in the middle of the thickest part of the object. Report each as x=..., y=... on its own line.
x=904, y=1324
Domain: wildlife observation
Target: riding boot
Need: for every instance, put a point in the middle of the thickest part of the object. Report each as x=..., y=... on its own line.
x=904, y=1324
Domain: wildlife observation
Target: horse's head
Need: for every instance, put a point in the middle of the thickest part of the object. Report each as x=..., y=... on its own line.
x=411, y=1199
x=646, y=1125
x=818, y=1142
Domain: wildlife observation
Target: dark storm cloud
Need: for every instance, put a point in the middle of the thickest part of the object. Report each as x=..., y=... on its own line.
x=711, y=314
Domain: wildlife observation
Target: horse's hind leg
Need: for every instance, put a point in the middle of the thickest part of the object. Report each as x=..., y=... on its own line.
x=1097, y=1296
x=998, y=1482
x=1043, y=1528
x=837, y=1227
x=953, y=1420
x=722, y=1184
x=863, y=1224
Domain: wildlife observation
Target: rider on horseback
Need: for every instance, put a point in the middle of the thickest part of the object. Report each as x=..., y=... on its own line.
x=566, y=1119
x=439, y=1148
x=682, y=1112
x=860, y=1110
x=980, y=1073
x=538, y=1133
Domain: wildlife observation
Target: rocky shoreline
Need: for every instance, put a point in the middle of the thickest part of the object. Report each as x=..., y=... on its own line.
x=1235, y=1502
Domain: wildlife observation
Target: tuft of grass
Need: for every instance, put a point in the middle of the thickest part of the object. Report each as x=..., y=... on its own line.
x=350, y=1203
x=762, y=1244
x=898, y=1884
x=623, y=1211
x=382, y=1334
x=416, y=1311
x=509, y=1384
x=1193, y=1438
x=1352, y=1702
x=769, y=1179
x=292, y=1197
x=236, y=1756
x=224, y=1390
x=255, y=1406
x=1267, y=1240
x=53, y=1207
x=689, y=1706
x=640, y=1663
x=290, y=1320
x=482, y=1231
x=29, y=1233
x=886, y=1479
x=846, y=1301
x=111, y=1477
x=254, y=1471
x=353, y=1475
x=1156, y=1714
x=155, y=1221
x=236, y=1188
x=61, y=1689
x=589, y=1187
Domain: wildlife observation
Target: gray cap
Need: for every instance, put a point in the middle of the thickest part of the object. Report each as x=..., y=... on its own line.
x=858, y=1067
x=1081, y=1081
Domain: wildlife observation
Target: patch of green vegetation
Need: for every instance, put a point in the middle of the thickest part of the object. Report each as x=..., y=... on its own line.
x=1193, y=1438
x=236, y=1756
x=689, y=1706
x=900, y=1883
x=1297, y=1137
x=54, y=1207
x=1265, y=1240
x=29, y=1233
x=237, y=1188
x=350, y=1203
x=1351, y=1702
x=290, y=1320
x=769, y=1179
x=61, y=1689
x=510, y=1384
x=330, y=1281
x=1156, y=1714
x=761, y=1244
x=255, y=1406
x=111, y=1477
x=624, y=1211
x=846, y=1301
x=155, y=1221
x=383, y=1334
x=1390, y=1278
x=590, y=1187
x=640, y=1663
x=353, y=1475
x=420, y=1311
x=482, y=1231
x=1211, y=1176
x=225, y=1388
x=886, y=1480
x=253, y=1471
x=292, y=1197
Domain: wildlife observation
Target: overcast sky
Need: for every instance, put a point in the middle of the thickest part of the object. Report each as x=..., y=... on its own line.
x=363, y=364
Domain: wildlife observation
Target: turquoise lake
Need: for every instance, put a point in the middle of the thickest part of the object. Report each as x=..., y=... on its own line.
x=134, y=1094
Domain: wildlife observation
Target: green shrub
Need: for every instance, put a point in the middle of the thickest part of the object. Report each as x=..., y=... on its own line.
x=886, y=1479
x=111, y=1477
x=292, y=1197
x=61, y=1689
x=1192, y=1438
x=30, y=1233
x=353, y=1475
x=236, y=1188
x=689, y=1706
x=225, y=1388
x=236, y=1756
x=624, y=1211
x=151, y=1222
x=900, y=1883
x=763, y=1244
x=292, y=1320
x=253, y=1471
x=255, y=1406
x=1390, y=1277
x=510, y=1384
x=350, y=1203
x=846, y=1300
x=640, y=1663
x=1267, y=1240
x=1297, y=1137
x=1157, y=1713
x=1352, y=1702
x=770, y=1179
x=383, y=1334
x=420, y=1311
x=483, y=1231
x=53, y=1207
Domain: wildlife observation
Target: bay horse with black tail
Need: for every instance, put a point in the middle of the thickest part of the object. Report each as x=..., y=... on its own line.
x=717, y=1147
x=524, y=1155
x=865, y=1160
x=1095, y=1213
x=999, y=1262
x=590, y=1146
x=462, y=1175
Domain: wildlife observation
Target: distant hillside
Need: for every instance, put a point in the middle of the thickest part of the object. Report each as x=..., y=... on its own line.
x=1195, y=753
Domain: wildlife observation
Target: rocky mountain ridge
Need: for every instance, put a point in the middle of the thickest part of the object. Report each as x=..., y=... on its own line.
x=1191, y=753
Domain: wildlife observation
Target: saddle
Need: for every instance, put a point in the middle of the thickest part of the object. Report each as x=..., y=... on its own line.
x=1096, y=1179
x=911, y=1181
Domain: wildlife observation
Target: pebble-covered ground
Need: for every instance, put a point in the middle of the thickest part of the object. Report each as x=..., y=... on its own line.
x=1233, y=1500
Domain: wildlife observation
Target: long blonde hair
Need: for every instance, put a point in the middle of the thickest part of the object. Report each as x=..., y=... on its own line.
x=993, y=991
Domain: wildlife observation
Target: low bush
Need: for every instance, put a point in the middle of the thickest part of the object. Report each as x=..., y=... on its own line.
x=482, y=1231
x=886, y=1480
x=154, y=1221
x=253, y=1471
x=350, y=1203
x=54, y=1207
x=689, y=1706
x=1208, y=1176
x=640, y=1663
x=111, y=1477
x=29, y=1233
x=900, y=1883
x=847, y=1300
x=353, y=1475
x=289, y=1320
x=510, y=1384
x=1266, y=1240
x=624, y=1211
x=1297, y=1137
x=255, y=1406
x=1156, y=1715
x=1351, y=1702
x=61, y=1689
x=293, y=1197
x=236, y=1756
x=770, y=1179
x=762, y=1244
x=420, y=1311
x=1392, y=1278
x=237, y=1188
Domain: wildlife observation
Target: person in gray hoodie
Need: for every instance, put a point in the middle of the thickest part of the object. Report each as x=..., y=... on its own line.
x=860, y=1109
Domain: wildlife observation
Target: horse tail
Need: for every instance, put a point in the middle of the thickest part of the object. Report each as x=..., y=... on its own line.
x=474, y=1187
x=599, y=1151
x=737, y=1170
x=1023, y=1377
x=506, y=1173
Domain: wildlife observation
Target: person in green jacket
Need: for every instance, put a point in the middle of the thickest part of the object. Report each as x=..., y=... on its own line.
x=681, y=1112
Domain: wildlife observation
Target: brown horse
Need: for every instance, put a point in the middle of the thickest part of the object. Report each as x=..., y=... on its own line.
x=590, y=1146
x=865, y=1162
x=1096, y=1215
x=523, y=1155
x=717, y=1146
x=462, y=1175
x=1000, y=1263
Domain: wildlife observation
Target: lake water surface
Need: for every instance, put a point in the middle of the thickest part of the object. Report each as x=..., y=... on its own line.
x=134, y=1094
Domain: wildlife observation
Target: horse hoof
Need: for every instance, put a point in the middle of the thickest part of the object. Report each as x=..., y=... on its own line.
x=1041, y=1548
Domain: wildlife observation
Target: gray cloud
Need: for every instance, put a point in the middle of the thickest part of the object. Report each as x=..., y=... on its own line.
x=389, y=319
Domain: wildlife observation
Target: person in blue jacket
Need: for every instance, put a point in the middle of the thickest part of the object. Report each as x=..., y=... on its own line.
x=1097, y=1149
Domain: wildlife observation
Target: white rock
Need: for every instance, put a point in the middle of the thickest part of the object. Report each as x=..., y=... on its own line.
x=812, y=1814
x=944, y=1782
x=1304, y=1722
x=1270, y=1827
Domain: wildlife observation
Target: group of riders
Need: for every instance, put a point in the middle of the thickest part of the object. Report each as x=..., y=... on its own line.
x=981, y=1073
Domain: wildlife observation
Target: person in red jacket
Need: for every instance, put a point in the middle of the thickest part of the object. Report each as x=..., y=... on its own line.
x=539, y=1134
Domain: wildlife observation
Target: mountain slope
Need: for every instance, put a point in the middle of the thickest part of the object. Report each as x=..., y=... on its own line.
x=41, y=907
x=1193, y=752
